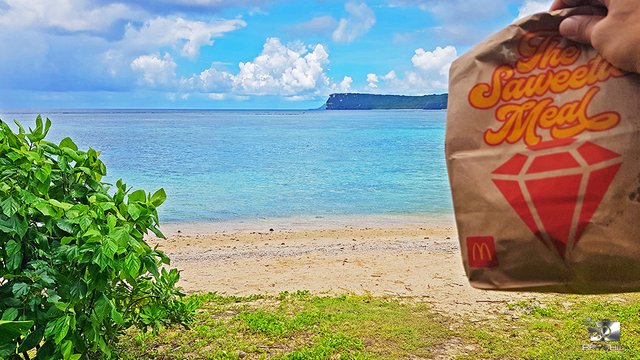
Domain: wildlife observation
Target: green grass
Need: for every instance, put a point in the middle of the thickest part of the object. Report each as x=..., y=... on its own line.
x=301, y=326
x=296, y=326
x=556, y=329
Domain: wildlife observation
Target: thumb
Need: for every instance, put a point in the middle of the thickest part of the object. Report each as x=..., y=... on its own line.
x=579, y=27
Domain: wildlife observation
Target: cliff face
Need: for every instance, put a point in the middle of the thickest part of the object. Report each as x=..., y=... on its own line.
x=352, y=101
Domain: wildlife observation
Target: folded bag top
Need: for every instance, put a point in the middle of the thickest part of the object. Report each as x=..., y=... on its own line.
x=543, y=155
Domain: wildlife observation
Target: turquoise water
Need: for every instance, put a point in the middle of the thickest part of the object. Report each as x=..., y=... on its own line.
x=231, y=165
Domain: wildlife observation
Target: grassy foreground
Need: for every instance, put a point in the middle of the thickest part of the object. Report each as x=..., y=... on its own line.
x=301, y=326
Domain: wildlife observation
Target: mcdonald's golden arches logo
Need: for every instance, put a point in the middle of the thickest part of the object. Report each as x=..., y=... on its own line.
x=481, y=252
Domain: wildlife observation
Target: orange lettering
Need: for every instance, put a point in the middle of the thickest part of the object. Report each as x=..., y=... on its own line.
x=505, y=87
x=486, y=96
x=517, y=90
x=541, y=52
x=522, y=121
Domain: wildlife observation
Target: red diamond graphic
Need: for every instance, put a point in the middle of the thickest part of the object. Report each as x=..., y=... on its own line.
x=556, y=191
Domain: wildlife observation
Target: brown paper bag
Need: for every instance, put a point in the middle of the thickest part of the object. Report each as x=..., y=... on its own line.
x=543, y=155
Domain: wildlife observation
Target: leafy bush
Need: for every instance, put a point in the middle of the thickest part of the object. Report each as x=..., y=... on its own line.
x=75, y=270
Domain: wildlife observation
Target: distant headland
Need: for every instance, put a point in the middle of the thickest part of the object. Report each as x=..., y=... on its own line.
x=355, y=101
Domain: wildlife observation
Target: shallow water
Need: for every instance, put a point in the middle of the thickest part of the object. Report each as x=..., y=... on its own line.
x=231, y=165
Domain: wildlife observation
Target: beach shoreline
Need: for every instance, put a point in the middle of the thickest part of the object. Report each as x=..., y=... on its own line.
x=402, y=256
x=310, y=222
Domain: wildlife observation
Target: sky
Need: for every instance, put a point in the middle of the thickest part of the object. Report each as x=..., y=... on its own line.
x=234, y=54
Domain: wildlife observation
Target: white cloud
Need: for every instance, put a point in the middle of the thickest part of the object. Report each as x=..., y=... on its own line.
x=217, y=96
x=360, y=21
x=67, y=15
x=390, y=76
x=189, y=35
x=155, y=70
x=226, y=96
x=211, y=81
x=295, y=71
x=280, y=70
x=430, y=74
x=530, y=7
x=345, y=84
x=437, y=60
x=294, y=98
x=372, y=80
x=85, y=45
x=298, y=72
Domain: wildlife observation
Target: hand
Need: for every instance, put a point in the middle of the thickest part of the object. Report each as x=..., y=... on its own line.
x=613, y=29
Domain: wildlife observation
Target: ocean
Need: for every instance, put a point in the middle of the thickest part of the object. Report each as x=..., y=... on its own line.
x=233, y=165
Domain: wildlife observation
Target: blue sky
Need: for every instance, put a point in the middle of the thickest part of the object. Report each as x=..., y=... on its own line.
x=229, y=54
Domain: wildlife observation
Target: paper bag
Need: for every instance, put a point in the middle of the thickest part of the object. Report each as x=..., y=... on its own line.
x=543, y=155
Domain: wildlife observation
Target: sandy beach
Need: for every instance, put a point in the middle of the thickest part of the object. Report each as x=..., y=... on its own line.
x=409, y=257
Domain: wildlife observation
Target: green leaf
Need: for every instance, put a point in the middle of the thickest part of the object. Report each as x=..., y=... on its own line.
x=107, y=205
x=158, y=197
x=61, y=205
x=120, y=235
x=9, y=206
x=132, y=263
x=66, y=240
x=43, y=188
x=14, y=262
x=137, y=196
x=103, y=307
x=20, y=289
x=12, y=247
x=13, y=329
x=109, y=248
x=62, y=331
x=134, y=210
x=42, y=175
x=66, y=349
x=46, y=209
x=157, y=232
x=13, y=226
x=117, y=317
x=78, y=289
x=104, y=347
x=10, y=314
x=151, y=265
x=14, y=255
x=72, y=154
x=84, y=222
x=32, y=340
x=47, y=126
x=36, y=135
x=7, y=350
x=58, y=329
x=65, y=225
x=84, y=169
x=93, y=235
x=100, y=259
x=111, y=221
x=68, y=143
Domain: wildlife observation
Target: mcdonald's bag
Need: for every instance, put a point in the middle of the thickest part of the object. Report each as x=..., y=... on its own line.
x=543, y=155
